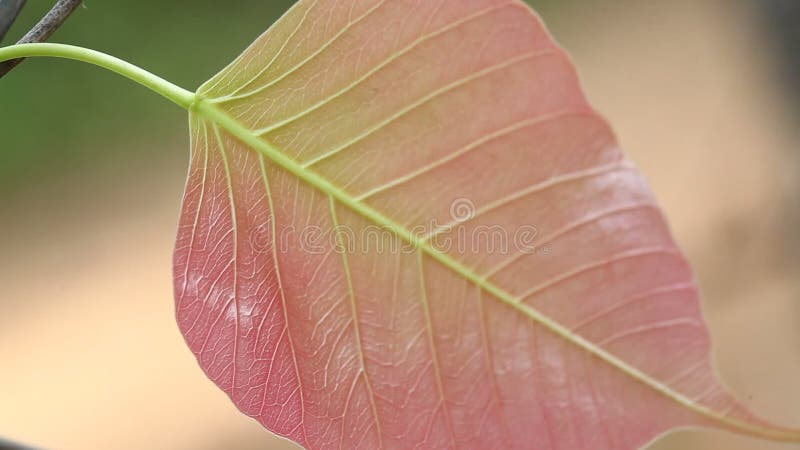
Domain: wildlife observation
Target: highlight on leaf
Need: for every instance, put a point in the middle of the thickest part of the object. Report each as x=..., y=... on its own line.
x=404, y=226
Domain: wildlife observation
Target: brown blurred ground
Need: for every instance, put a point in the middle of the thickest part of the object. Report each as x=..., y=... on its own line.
x=90, y=353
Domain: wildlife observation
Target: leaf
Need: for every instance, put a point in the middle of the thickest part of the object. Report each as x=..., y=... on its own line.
x=327, y=275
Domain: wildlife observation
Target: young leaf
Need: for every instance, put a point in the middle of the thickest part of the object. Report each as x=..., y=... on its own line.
x=340, y=269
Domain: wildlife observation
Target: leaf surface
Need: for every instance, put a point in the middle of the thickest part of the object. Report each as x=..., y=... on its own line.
x=340, y=269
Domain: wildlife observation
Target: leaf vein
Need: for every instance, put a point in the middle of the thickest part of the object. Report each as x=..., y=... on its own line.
x=432, y=345
x=631, y=254
x=235, y=228
x=382, y=65
x=476, y=144
x=279, y=279
x=422, y=101
x=354, y=312
x=302, y=63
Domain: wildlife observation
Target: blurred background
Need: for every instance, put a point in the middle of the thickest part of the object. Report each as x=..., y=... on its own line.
x=704, y=95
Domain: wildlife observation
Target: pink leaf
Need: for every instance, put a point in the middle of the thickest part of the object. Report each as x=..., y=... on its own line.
x=404, y=226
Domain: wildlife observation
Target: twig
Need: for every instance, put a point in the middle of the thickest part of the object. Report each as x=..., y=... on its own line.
x=8, y=445
x=9, y=10
x=44, y=29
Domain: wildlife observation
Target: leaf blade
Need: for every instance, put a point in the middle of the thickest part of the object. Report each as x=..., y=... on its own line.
x=601, y=173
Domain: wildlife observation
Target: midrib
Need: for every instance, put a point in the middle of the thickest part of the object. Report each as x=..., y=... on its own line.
x=222, y=118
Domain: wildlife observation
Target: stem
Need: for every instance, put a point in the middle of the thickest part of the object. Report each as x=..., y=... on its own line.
x=50, y=22
x=176, y=94
x=9, y=10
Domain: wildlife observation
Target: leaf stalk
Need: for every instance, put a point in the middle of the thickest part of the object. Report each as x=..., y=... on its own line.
x=170, y=91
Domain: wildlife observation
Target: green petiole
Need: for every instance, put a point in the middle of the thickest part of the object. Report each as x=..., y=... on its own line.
x=176, y=94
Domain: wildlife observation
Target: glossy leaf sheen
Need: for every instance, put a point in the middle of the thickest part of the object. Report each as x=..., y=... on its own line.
x=358, y=114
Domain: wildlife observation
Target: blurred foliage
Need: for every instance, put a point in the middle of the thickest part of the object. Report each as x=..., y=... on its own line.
x=59, y=116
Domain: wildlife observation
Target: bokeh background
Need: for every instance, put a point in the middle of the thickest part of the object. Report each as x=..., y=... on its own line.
x=704, y=95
